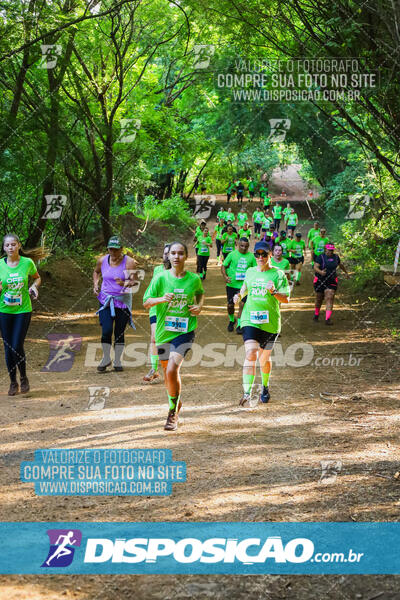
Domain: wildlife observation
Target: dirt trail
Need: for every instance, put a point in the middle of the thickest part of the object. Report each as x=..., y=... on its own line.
x=255, y=465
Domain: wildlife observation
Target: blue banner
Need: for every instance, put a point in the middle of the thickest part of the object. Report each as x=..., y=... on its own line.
x=200, y=548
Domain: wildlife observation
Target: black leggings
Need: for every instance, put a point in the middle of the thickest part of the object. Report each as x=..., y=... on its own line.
x=14, y=328
x=121, y=320
x=202, y=265
x=219, y=246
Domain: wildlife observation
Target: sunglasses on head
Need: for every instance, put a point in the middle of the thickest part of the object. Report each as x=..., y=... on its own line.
x=260, y=254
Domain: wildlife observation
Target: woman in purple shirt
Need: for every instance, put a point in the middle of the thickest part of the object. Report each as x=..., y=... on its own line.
x=118, y=273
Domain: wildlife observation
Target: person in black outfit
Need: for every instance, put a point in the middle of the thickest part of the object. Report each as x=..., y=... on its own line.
x=326, y=281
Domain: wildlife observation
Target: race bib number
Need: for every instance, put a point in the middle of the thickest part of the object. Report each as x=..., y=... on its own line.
x=205, y=250
x=11, y=300
x=240, y=275
x=177, y=324
x=259, y=317
x=228, y=248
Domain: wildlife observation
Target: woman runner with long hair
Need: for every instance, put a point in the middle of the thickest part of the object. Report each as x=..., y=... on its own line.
x=15, y=305
x=178, y=295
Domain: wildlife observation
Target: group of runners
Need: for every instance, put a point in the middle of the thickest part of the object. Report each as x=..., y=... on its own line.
x=256, y=281
x=236, y=190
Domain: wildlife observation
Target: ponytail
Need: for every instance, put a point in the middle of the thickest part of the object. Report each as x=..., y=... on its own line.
x=36, y=254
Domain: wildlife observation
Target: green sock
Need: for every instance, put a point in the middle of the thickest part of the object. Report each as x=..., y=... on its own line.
x=298, y=275
x=232, y=318
x=172, y=401
x=154, y=361
x=265, y=378
x=238, y=322
x=248, y=381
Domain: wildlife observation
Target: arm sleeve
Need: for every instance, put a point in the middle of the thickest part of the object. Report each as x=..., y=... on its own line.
x=32, y=267
x=153, y=290
x=227, y=260
x=318, y=260
x=283, y=284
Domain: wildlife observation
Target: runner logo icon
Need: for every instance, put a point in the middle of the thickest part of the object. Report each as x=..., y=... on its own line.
x=62, y=547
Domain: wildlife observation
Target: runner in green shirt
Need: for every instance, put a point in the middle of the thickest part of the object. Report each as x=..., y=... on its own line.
x=178, y=296
x=263, y=192
x=292, y=221
x=266, y=222
x=245, y=231
x=286, y=211
x=312, y=233
x=265, y=287
x=241, y=217
x=267, y=200
x=252, y=188
x=284, y=242
x=16, y=307
x=277, y=214
x=318, y=243
x=278, y=261
x=258, y=217
x=296, y=259
x=234, y=271
x=229, y=190
x=199, y=232
x=203, y=253
x=221, y=214
x=153, y=375
x=217, y=235
x=229, y=216
x=228, y=241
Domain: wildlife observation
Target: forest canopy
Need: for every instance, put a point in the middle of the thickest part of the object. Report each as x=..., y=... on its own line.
x=116, y=105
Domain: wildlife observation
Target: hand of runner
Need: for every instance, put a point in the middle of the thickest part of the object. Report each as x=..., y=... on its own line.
x=194, y=309
x=33, y=291
x=323, y=272
x=120, y=281
x=228, y=279
x=168, y=297
x=235, y=298
x=270, y=286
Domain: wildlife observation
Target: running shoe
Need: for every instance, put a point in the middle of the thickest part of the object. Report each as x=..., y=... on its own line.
x=315, y=317
x=245, y=401
x=152, y=376
x=118, y=368
x=264, y=396
x=103, y=366
x=24, y=385
x=14, y=388
x=231, y=326
x=239, y=330
x=171, y=423
x=328, y=322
